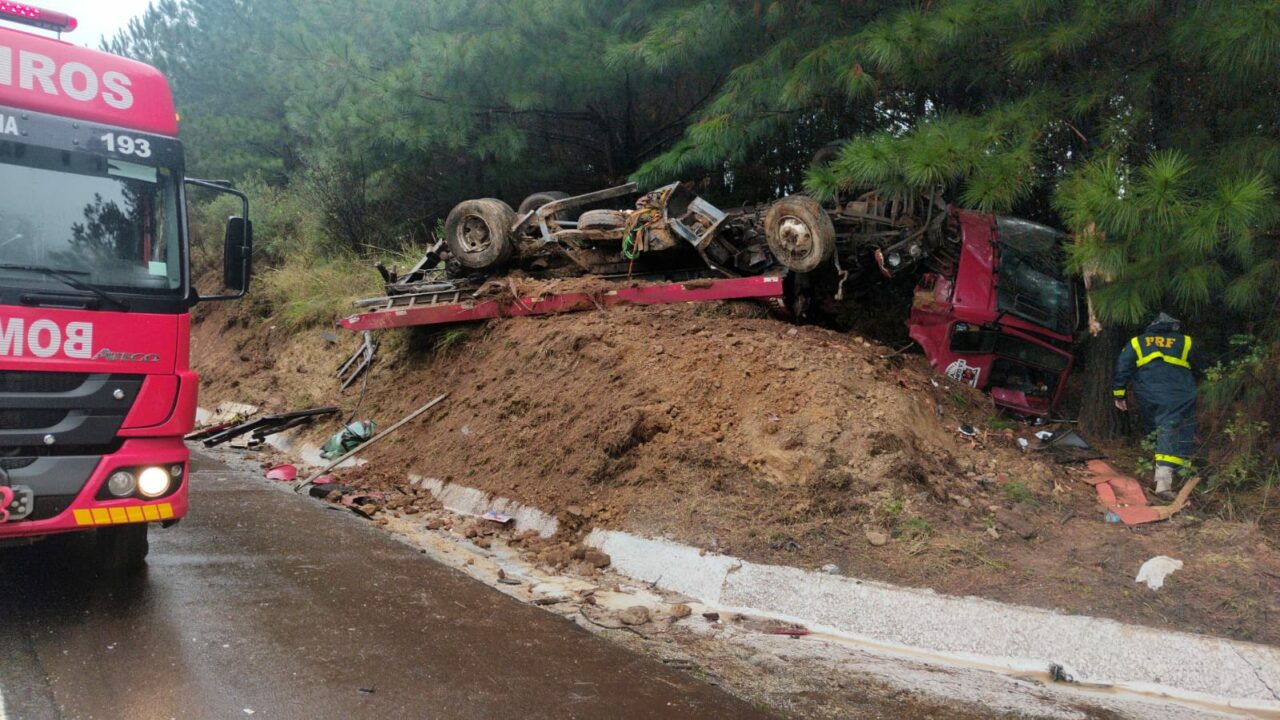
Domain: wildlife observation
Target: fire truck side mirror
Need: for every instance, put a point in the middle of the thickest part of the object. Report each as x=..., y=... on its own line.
x=238, y=254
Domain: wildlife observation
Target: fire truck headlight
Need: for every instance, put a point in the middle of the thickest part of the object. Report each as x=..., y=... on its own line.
x=153, y=482
x=122, y=483
x=894, y=260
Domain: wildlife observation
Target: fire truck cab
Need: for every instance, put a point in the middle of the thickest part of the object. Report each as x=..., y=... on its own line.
x=96, y=389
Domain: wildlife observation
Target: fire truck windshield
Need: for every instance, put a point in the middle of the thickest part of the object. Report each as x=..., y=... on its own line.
x=111, y=223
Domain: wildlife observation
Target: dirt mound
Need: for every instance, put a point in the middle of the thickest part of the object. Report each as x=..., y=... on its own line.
x=747, y=435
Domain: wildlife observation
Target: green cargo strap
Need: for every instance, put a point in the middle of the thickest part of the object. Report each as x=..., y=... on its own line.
x=1157, y=355
x=1172, y=460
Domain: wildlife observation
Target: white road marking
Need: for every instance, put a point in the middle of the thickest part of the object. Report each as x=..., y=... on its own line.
x=3, y=716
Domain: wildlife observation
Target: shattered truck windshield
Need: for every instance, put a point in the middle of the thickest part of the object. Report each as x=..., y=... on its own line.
x=1031, y=282
x=113, y=224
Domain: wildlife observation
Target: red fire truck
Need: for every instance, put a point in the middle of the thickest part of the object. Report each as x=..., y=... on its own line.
x=96, y=390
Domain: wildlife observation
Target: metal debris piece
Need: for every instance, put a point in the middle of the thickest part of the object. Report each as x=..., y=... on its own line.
x=268, y=425
x=359, y=362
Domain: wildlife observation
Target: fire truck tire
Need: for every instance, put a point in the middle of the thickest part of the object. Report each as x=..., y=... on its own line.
x=538, y=199
x=122, y=548
x=602, y=220
x=799, y=233
x=478, y=232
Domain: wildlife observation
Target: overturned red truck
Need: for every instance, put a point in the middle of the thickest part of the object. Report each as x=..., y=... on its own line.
x=991, y=307
x=96, y=389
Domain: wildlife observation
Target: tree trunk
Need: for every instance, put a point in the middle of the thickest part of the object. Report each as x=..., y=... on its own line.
x=1097, y=357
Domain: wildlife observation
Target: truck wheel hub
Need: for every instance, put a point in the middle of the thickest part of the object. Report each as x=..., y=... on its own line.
x=796, y=237
x=473, y=234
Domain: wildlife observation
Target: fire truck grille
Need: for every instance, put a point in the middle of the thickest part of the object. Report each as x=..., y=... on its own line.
x=12, y=381
x=47, y=413
x=15, y=463
x=30, y=419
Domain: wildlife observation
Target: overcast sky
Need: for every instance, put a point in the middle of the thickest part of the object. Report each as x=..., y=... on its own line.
x=98, y=18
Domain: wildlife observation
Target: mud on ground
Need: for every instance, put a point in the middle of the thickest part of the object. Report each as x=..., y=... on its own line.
x=717, y=427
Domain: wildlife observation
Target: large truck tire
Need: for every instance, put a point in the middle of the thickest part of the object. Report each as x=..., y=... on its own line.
x=478, y=232
x=123, y=548
x=800, y=233
x=538, y=199
x=602, y=220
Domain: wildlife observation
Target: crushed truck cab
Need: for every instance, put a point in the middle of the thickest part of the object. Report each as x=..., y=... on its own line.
x=96, y=388
x=998, y=314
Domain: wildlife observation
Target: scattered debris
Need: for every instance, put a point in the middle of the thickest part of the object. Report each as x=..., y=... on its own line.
x=1154, y=571
x=348, y=438
x=260, y=428
x=374, y=439
x=359, y=362
x=831, y=569
x=284, y=473
x=1067, y=446
x=497, y=517
x=1058, y=673
x=1122, y=496
x=794, y=632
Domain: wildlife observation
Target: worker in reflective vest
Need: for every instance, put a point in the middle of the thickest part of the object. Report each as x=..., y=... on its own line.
x=1163, y=365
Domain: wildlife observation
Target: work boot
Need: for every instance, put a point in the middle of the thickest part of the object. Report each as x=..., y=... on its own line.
x=1164, y=482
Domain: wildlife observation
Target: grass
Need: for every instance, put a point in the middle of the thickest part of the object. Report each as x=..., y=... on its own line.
x=1018, y=492
x=891, y=509
x=308, y=291
x=451, y=338
x=1000, y=423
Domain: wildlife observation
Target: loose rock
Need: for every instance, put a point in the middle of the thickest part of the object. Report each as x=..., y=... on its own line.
x=634, y=615
x=877, y=538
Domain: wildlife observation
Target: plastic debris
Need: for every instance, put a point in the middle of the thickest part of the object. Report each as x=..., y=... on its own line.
x=286, y=473
x=497, y=517
x=1154, y=571
x=348, y=439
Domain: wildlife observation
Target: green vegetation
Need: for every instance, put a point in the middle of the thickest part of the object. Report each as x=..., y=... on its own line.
x=1150, y=129
x=1018, y=492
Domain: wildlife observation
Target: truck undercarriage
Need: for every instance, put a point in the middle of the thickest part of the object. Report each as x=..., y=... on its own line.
x=804, y=257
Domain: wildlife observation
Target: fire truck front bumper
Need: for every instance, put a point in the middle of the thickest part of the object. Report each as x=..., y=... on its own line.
x=144, y=481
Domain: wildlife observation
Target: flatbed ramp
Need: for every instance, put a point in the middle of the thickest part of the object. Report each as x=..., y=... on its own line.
x=432, y=309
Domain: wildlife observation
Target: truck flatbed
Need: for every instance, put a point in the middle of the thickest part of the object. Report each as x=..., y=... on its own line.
x=453, y=307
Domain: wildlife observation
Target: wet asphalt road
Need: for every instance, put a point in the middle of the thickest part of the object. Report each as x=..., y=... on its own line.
x=262, y=604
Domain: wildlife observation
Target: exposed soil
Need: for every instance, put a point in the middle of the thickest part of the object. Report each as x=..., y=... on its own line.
x=741, y=434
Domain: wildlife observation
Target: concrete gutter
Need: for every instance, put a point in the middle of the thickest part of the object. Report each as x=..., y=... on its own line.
x=1208, y=672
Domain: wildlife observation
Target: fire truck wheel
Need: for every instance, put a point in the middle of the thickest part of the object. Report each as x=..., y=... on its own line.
x=799, y=233
x=602, y=220
x=538, y=199
x=478, y=232
x=122, y=548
